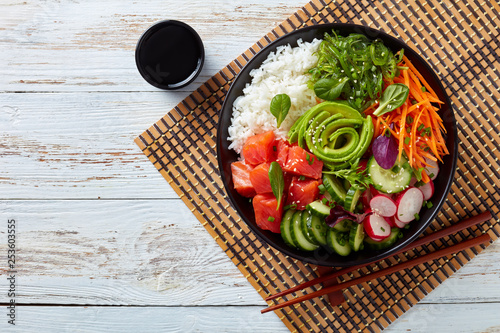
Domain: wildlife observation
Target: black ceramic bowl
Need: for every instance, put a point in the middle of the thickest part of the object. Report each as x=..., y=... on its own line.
x=321, y=256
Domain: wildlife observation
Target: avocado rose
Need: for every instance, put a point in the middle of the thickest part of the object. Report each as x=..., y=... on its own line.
x=336, y=133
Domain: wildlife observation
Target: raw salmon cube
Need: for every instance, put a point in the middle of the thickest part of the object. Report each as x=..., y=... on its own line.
x=267, y=216
x=302, y=192
x=241, y=179
x=259, y=177
x=259, y=148
x=302, y=163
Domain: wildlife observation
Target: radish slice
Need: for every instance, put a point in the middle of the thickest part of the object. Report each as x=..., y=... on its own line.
x=383, y=206
x=432, y=170
x=366, y=197
x=395, y=223
x=413, y=181
x=374, y=192
x=427, y=190
x=390, y=221
x=376, y=227
x=409, y=203
x=398, y=223
x=323, y=196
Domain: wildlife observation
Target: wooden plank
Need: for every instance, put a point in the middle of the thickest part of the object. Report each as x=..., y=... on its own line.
x=77, y=145
x=155, y=252
x=142, y=319
x=89, y=46
x=119, y=252
x=422, y=318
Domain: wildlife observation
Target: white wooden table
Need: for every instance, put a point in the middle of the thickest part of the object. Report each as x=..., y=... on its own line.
x=103, y=243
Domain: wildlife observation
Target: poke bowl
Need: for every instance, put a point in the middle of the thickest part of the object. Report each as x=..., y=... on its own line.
x=366, y=210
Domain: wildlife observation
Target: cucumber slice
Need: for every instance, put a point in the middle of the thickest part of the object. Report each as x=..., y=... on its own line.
x=356, y=236
x=297, y=236
x=352, y=198
x=318, y=209
x=385, y=243
x=305, y=227
x=318, y=229
x=343, y=226
x=393, y=180
x=334, y=187
x=285, y=229
x=346, y=184
x=338, y=242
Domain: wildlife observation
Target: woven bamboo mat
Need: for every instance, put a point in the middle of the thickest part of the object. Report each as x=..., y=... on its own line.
x=459, y=39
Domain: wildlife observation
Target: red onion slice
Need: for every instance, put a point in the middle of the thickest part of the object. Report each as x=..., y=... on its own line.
x=385, y=151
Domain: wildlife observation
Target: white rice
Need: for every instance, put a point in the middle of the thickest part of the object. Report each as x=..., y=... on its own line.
x=284, y=71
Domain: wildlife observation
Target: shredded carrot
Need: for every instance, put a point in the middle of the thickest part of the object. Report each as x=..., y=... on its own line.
x=402, y=129
x=425, y=177
x=419, y=76
x=376, y=125
x=417, y=126
x=369, y=110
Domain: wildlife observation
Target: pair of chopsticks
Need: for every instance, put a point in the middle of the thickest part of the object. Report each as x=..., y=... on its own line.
x=389, y=270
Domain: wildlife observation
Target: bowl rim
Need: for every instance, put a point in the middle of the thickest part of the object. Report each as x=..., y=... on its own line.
x=380, y=254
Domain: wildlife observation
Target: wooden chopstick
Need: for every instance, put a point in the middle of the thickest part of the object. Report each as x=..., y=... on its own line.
x=387, y=271
x=469, y=222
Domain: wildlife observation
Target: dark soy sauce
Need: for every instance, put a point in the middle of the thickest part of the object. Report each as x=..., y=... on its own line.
x=170, y=55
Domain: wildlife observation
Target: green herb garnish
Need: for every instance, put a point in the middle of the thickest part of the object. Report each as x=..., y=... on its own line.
x=292, y=206
x=277, y=181
x=358, y=178
x=280, y=105
x=329, y=89
x=393, y=97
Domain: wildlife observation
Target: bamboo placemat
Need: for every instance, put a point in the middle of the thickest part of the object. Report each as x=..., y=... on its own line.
x=459, y=39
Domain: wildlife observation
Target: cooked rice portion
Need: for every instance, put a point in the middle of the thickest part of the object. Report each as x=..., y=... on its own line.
x=284, y=71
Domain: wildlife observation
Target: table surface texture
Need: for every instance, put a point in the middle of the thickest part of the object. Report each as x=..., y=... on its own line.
x=100, y=245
